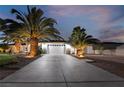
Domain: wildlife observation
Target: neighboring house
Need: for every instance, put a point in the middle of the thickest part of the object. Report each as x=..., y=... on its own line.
x=12, y=48
x=120, y=50
x=110, y=48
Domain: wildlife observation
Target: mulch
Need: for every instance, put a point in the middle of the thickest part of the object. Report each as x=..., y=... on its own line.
x=112, y=67
x=6, y=70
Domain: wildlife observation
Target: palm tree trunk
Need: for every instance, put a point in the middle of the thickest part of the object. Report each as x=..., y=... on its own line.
x=17, y=47
x=77, y=53
x=33, y=47
x=81, y=51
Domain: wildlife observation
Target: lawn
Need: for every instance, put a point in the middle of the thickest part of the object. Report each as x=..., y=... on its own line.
x=6, y=59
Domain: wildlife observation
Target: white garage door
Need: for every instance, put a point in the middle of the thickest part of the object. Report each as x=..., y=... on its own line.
x=56, y=48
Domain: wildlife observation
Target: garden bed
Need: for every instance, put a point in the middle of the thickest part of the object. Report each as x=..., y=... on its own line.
x=15, y=65
x=112, y=67
x=108, y=65
x=77, y=56
x=6, y=59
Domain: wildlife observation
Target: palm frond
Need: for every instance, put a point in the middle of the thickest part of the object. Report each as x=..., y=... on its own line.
x=80, y=38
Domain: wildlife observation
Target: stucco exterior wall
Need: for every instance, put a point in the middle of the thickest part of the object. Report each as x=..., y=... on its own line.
x=89, y=49
x=120, y=51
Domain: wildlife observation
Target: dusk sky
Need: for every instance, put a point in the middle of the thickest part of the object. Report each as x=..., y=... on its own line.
x=103, y=22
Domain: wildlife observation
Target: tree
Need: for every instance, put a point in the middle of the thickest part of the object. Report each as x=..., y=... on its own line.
x=79, y=39
x=36, y=27
x=10, y=29
x=17, y=40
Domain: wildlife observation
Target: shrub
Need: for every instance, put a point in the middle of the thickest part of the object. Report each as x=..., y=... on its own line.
x=43, y=51
x=6, y=59
x=68, y=51
x=3, y=48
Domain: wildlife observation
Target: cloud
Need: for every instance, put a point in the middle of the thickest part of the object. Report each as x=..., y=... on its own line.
x=119, y=38
x=64, y=10
x=115, y=33
x=107, y=19
x=118, y=11
x=99, y=15
x=3, y=16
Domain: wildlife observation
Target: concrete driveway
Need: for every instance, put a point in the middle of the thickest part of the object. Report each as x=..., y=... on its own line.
x=61, y=71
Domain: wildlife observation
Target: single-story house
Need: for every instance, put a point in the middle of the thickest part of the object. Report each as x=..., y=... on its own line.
x=110, y=48
x=53, y=47
x=62, y=47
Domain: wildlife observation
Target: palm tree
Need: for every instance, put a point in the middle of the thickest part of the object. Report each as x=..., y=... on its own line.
x=10, y=29
x=2, y=22
x=17, y=40
x=79, y=39
x=35, y=27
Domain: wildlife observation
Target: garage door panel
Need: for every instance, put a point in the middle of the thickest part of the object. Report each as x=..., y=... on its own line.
x=56, y=49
